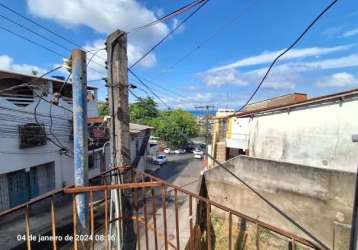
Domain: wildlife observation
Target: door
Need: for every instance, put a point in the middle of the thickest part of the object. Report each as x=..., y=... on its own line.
x=4, y=193
x=18, y=188
x=46, y=177
x=33, y=180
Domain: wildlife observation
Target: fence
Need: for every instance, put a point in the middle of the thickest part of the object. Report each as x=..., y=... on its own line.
x=164, y=215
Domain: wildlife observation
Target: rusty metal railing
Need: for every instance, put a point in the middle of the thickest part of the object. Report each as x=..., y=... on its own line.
x=164, y=215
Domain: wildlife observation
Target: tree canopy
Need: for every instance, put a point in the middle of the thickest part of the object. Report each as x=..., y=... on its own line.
x=173, y=126
x=143, y=110
x=102, y=109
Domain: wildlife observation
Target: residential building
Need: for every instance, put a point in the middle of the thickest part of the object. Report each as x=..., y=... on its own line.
x=37, y=138
x=36, y=135
x=315, y=132
x=298, y=154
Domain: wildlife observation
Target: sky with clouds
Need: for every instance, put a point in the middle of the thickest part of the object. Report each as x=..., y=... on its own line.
x=218, y=57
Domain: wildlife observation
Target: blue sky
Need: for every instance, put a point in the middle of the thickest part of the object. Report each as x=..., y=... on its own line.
x=245, y=36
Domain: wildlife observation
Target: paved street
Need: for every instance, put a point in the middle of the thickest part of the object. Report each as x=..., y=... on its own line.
x=184, y=171
x=180, y=170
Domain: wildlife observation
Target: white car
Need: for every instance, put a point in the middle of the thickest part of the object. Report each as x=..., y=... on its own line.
x=167, y=151
x=160, y=159
x=198, y=152
x=179, y=151
x=198, y=156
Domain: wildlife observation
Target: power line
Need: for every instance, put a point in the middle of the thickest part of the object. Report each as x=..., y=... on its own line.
x=203, y=3
x=146, y=86
x=40, y=45
x=33, y=42
x=39, y=25
x=163, y=88
x=34, y=32
x=159, y=88
x=170, y=15
x=285, y=51
x=218, y=31
x=282, y=213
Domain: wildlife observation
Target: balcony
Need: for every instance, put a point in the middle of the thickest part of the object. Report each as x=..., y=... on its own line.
x=158, y=215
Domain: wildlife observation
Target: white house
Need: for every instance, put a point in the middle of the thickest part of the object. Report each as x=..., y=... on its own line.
x=316, y=132
x=35, y=136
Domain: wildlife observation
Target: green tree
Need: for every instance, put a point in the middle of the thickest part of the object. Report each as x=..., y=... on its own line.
x=175, y=127
x=143, y=111
x=102, y=108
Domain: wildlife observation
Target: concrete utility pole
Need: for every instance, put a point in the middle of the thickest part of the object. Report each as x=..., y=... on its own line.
x=207, y=108
x=80, y=136
x=120, y=141
x=354, y=230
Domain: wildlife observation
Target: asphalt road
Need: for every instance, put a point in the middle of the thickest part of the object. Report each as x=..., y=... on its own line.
x=181, y=170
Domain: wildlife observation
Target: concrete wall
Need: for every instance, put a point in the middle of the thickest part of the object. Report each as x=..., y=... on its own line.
x=13, y=158
x=314, y=197
x=317, y=135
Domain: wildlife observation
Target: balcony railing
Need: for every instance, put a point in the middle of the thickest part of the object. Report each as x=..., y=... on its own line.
x=163, y=215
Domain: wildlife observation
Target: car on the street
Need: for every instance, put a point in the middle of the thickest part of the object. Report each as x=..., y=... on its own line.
x=179, y=151
x=198, y=156
x=198, y=153
x=160, y=159
x=168, y=151
x=189, y=147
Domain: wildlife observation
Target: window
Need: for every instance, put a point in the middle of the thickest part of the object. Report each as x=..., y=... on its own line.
x=32, y=135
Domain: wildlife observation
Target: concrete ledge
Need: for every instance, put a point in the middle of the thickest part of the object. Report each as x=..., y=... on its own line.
x=273, y=176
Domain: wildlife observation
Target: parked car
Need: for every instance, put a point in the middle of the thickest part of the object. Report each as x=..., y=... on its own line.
x=179, y=151
x=167, y=151
x=189, y=148
x=160, y=159
x=198, y=153
x=198, y=156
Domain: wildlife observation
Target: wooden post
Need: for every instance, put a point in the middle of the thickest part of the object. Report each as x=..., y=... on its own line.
x=120, y=137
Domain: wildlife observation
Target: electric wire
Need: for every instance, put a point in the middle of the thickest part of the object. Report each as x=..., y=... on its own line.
x=31, y=41
x=147, y=87
x=169, y=15
x=219, y=30
x=285, y=51
x=41, y=45
x=277, y=209
x=34, y=32
x=203, y=3
x=39, y=25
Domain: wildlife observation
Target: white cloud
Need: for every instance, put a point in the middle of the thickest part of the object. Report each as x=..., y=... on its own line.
x=326, y=64
x=342, y=79
x=283, y=76
x=278, y=85
x=175, y=23
x=7, y=63
x=277, y=80
x=350, y=33
x=223, y=77
x=268, y=57
x=105, y=17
